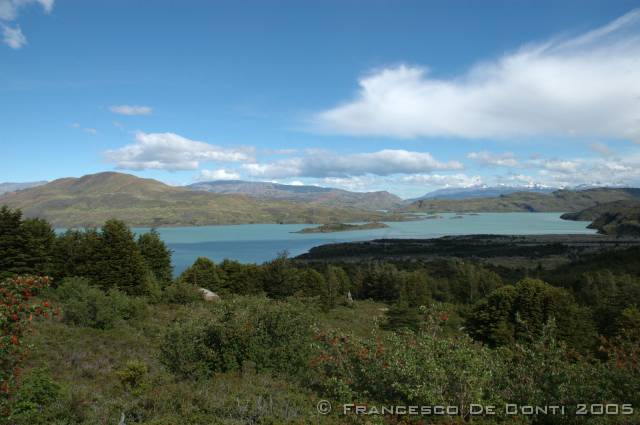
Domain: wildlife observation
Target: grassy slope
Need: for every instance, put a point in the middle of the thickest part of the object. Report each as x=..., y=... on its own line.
x=92, y=199
x=86, y=361
x=619, y=218
x=559, y=201
x=317, y=196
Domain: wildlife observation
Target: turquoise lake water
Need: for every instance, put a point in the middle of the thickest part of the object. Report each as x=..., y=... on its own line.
x=256, y=243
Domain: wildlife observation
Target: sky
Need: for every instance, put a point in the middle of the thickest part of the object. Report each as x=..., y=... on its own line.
x=397, y=95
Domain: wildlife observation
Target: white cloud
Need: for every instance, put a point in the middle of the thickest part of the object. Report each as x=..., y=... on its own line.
x=585, y=86
x=219, y=174
x=91, y=130
x=13, y=37
x=443, y=180
x=557, y=165
x=506, y=159
x=320, y=163
x=9, y=8
x=170, y=151
x=131, y=110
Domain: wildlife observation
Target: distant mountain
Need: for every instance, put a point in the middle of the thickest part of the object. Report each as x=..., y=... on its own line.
x=481, y=192
x=94, y=198
x=12, y=187
x=558, y=201
x=312, y=195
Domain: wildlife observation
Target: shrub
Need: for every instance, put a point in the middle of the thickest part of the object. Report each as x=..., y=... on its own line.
x=270, y=335
x=181, y=293
x=17, y=308
x=39, y=401
x=89, y=306
x=409, y=368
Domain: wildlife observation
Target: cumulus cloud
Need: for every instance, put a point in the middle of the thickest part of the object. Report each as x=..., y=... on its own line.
x=219, y=174
x=170, y=151
x=585, y=86
x=443, y=180
x=13, y=36
x=319, y=164
x=506, y=159
x=131, y=110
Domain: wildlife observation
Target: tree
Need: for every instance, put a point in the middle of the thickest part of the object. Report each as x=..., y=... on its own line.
x=279, y=277
x=312, y=283
x=204, y=274
x=416, y=286
x=13, y=253
x=156, y=256
x=402, y=315
x=241, y=278
x=521, y=312
x=119, y=261
x=75, y=253
x=39, y=240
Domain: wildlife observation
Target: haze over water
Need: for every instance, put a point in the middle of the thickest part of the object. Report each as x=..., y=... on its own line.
x=256, y=243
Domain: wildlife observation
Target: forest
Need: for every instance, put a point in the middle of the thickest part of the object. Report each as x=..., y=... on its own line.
x=96, y=329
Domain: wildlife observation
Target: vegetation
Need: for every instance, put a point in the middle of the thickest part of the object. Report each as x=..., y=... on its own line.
x=91, y=200
x=620, y=218
x=315, y=195
x=133, y=342
x=342, y=227
x=558, y=201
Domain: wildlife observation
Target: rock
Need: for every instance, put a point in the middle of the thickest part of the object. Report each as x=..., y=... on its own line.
x=208, y=295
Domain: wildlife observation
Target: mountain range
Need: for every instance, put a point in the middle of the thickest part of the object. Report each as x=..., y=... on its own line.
x=312, y=195
x=12, y=187
x=558, y=201
x=92, y=199
x=473, y=192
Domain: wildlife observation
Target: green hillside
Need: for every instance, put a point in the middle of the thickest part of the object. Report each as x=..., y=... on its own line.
x=558, y=201
x=92, y=199
x=619, y=218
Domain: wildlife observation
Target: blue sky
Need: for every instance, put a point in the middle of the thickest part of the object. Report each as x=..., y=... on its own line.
x=405, y=96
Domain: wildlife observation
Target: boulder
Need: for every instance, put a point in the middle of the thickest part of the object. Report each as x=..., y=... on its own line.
x=208, y=295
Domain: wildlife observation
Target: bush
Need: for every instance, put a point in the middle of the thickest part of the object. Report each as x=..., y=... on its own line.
x=39, y=401
x=270, y=335
x=17, y=309
x=181, y=293
x=89, y=306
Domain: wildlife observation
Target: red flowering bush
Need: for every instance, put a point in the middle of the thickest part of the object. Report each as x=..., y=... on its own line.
x=17, y=310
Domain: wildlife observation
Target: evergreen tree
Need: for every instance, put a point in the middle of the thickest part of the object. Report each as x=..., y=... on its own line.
x=279, y=277
x=331, y=291
x=75, y=253
x=39, y=238
x=157, y=256
x=401, y=315
x=416, y=286
x=13, y=243
x=119, y=262
x=312, y=282
x=204, y=274
x=241, y=278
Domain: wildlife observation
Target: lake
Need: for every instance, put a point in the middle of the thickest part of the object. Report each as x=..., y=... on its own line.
x=256, y=243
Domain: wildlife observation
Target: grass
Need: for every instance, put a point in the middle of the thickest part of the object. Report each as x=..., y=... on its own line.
x=88, y=364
